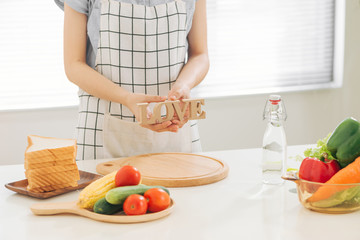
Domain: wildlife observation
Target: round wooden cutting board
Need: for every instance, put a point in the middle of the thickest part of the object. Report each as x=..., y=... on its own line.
x=171, y=169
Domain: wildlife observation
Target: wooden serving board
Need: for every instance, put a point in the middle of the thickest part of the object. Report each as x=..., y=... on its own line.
x=43, y=209
x=171, y=169
x=21, y=186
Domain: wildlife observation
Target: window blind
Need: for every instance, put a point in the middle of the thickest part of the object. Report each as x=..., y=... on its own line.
x=31, y=56
x=255, y=46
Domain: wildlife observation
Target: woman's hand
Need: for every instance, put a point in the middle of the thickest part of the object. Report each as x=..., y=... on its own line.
x=179, y=92
x=131, y=101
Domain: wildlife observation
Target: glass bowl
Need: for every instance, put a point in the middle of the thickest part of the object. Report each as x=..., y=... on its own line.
x=326, y=198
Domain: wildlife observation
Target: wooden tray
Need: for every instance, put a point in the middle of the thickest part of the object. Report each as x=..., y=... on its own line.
x=171, y=169
x=72, y=208
x=20, y=186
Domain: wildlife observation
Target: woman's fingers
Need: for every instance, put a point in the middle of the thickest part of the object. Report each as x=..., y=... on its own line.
x=179, y=123
x=173, y=125
x=174, y=96
x=171, y=128
x=154, y=98
x=162, y=127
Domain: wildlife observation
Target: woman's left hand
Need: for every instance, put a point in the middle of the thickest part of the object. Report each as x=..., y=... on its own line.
x=179, y=92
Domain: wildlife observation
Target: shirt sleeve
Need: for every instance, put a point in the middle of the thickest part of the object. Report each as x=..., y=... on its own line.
x=80, y=6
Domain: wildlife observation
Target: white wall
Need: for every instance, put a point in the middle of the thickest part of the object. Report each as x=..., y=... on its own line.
x=231, y=122
x=15, y=126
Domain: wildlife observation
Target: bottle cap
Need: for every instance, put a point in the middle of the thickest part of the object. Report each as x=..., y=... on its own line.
x=275, y=105
x=275, y=99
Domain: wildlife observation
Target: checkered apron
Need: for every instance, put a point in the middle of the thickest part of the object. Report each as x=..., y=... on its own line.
x=142, y=49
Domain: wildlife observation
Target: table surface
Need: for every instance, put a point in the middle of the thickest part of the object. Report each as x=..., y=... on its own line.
x=238, y=207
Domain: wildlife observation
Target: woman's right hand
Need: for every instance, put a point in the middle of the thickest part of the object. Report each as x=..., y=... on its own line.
x=132, y=99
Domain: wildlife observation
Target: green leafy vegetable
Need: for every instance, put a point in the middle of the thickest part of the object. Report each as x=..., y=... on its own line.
x=349, y=197
x=319, y=150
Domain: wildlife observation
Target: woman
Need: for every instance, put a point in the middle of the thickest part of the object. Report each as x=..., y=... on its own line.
x=125, y=52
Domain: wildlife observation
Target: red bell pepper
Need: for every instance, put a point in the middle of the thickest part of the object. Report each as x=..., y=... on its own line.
x=312, y=169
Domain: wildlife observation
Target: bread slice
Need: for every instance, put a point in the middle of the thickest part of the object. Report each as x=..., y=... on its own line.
x=49, y=188
x=53, y=178
x=47, y=155
x=51, y=169
x=50, y=163
x=29, y=165
x=46, y=149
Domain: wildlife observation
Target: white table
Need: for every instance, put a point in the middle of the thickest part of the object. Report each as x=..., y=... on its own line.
x=238, y=207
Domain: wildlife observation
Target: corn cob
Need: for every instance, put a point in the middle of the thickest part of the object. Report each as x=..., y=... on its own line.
x=96, y=190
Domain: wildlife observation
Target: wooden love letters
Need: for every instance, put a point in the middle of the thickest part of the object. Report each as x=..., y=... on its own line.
x=172, y=107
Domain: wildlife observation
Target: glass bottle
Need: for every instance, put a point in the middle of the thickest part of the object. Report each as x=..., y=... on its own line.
x=274, y=145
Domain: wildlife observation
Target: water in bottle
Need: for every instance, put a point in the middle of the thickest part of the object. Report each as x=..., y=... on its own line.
x=274, y=141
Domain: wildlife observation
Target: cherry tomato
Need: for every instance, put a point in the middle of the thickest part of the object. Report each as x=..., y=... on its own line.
x=157, y=199
x=127, y=176
x=135, y=204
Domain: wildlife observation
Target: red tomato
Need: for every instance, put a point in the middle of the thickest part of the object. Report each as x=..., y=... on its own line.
x=157, y=199
x=135, y=204
x=127, y=176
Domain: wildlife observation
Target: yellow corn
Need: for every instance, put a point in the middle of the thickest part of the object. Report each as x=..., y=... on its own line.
x=96, y=190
